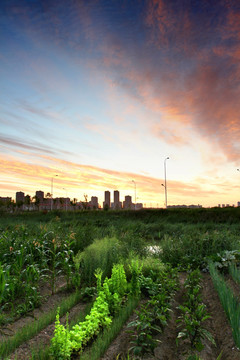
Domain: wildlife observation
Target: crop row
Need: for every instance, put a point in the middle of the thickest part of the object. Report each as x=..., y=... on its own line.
x=153, y=315
x=24, y=266
x=229, y=301
x=193, y=315
x=108, y=302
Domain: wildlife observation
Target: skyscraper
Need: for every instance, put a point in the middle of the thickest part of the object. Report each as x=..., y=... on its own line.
x=117, y=204
x=40, y=195
x=20, y=197
x=127, y=204
x=107, y=202
x=116, y=196
x=94, y=202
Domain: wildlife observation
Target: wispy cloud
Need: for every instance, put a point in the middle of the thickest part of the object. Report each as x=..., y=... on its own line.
x=26, y=145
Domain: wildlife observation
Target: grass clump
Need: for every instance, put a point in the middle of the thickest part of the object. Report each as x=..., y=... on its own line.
x=102, y=253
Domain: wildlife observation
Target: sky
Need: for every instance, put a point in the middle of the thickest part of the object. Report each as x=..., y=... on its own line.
x=95, y=94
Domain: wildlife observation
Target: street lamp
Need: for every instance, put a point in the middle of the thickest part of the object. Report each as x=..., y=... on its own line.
x=135, y=193
x=52, y=193
x=66, y=199
x=165, y=185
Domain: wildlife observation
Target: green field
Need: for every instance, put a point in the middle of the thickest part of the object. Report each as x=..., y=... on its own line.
x=39, y=248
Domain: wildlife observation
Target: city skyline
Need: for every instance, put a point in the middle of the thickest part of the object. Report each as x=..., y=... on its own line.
x=46, y=201
x=111, y=201
x=100, y=93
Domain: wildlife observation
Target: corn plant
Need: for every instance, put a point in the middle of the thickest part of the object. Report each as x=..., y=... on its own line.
x=2, y=283
x=54, y=257
x=67, y=263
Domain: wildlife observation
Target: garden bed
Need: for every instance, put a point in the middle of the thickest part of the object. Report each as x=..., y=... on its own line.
x=43, y=338
x=217, y=325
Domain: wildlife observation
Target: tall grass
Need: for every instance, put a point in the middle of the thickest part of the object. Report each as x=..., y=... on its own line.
x=229, y=302
x=101, y=254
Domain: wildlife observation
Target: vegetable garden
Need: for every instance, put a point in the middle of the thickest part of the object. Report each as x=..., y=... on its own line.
x=152, y=284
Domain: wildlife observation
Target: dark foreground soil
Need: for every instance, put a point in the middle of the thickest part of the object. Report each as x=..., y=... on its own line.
x=167, y=350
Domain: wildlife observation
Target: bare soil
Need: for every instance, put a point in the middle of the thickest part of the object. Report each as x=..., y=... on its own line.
x=167, y=350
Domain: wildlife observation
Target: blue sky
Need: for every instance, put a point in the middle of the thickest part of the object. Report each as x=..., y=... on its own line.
x=101, y=92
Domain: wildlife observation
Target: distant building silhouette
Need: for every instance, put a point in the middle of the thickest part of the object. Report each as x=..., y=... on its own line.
x=19, y=197
x=94, y=202
x=107, y=200
x=116, y=204
x=5, y=199
x=127, y=204
x=40, y=195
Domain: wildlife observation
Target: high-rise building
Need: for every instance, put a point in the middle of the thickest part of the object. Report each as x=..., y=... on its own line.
x=40, y=195
x=127, y=204
x=20, y=196
x=94, y=202
x=107, y=201
x=116, y=196
x=116, y=204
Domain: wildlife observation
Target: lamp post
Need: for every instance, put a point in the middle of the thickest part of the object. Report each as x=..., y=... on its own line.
x=135, y=193
x=52, y=193
x=66, y=199
x=165, y=184
x=238, y=202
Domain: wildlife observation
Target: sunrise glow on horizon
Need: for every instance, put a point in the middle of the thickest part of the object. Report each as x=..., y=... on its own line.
x=101, y=92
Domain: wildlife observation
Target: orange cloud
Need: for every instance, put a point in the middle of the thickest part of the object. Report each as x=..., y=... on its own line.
x=79, y=178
